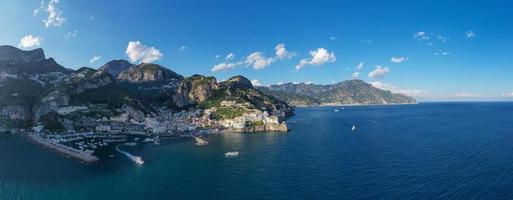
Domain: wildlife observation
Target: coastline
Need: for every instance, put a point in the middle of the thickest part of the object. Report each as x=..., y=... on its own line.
x=350, y=105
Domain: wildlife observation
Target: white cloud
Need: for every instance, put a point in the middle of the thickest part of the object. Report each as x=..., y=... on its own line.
x=366, y=41
x=443, y=39
x=30, y=41
x=318, y=57
x=41, y=7
x=379, y=72
x=398, y=59
x=183, y=48
x=71, y=34
x=256, y=82
x=333, y=38
x=217, y=56
x=55, y=17
x=359, y=66
x=282, y=53
x=465, y=94
x=394, y=89
x=136, y=51
x=442, y=53
x=225, y=66
x=421, y=35
x=258, y=60
x=94, y=59
x=355, y=75
x=230, y=56
x=507, y=94
x=470, y=34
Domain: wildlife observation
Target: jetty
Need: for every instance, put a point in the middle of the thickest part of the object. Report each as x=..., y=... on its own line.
x=63, y=149
x=200, y=141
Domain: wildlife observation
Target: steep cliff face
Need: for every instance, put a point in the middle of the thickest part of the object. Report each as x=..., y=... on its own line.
x=148, y=73
x=13, y=59
x=115, y=67
x=85, y=86
x=18, y=94
x=195, y=89
x=151, y=83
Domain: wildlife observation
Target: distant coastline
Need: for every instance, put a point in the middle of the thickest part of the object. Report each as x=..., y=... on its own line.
x=351, y=105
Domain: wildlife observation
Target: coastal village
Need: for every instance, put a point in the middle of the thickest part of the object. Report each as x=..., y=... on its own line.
x=129, y=126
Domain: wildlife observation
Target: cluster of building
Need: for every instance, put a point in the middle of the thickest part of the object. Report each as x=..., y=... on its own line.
x=250, y=119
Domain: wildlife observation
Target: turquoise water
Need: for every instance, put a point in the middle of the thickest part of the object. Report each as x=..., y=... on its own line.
x=424, y=151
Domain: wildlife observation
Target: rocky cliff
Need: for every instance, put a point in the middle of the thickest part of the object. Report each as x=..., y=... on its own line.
x=16, y=60
x=146, y=72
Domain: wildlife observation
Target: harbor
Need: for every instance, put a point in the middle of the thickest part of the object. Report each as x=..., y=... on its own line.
x=63, y=149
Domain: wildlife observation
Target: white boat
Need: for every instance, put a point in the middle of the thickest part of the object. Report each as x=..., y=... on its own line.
x=156, y=140
x=336, y=110
x=354, y=128
x=138, y=160
x=231, y=154
x=200, y=141
x=149, y=140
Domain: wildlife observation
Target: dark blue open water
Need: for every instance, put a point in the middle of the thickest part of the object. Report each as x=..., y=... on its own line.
x=424, y=151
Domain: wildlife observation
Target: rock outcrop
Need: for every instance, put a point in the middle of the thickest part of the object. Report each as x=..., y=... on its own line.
x=115, y=67
x=13, y=59
x=148, y=73
x=195, y=89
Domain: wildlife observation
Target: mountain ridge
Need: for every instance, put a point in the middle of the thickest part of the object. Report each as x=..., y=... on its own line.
x=343, y=93
x=39, y=92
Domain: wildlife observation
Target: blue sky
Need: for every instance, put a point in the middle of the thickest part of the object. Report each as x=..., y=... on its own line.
x=443, y=50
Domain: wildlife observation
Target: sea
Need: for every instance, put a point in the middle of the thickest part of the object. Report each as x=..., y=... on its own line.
x=457, y=150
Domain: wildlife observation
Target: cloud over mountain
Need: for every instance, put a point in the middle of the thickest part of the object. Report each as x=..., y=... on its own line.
x=138, y=52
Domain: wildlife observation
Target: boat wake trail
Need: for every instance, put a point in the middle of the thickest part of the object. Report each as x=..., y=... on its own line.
x=138, y=160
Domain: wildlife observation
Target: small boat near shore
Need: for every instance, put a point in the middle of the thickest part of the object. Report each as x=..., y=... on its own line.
x=156, y=140
x=200, y=141
x=231, y=154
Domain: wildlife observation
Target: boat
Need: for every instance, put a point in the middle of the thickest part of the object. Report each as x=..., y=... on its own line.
x=200, y=141
x=231, y=154
x=156, y=140
x=336, y=110
x=138, y=160
x=149, y=140
x=354, y=128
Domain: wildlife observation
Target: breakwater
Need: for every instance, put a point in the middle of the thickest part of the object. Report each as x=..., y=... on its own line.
x=63, y=149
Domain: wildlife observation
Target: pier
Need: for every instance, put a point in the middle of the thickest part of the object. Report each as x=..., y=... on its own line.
x=63, y=149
